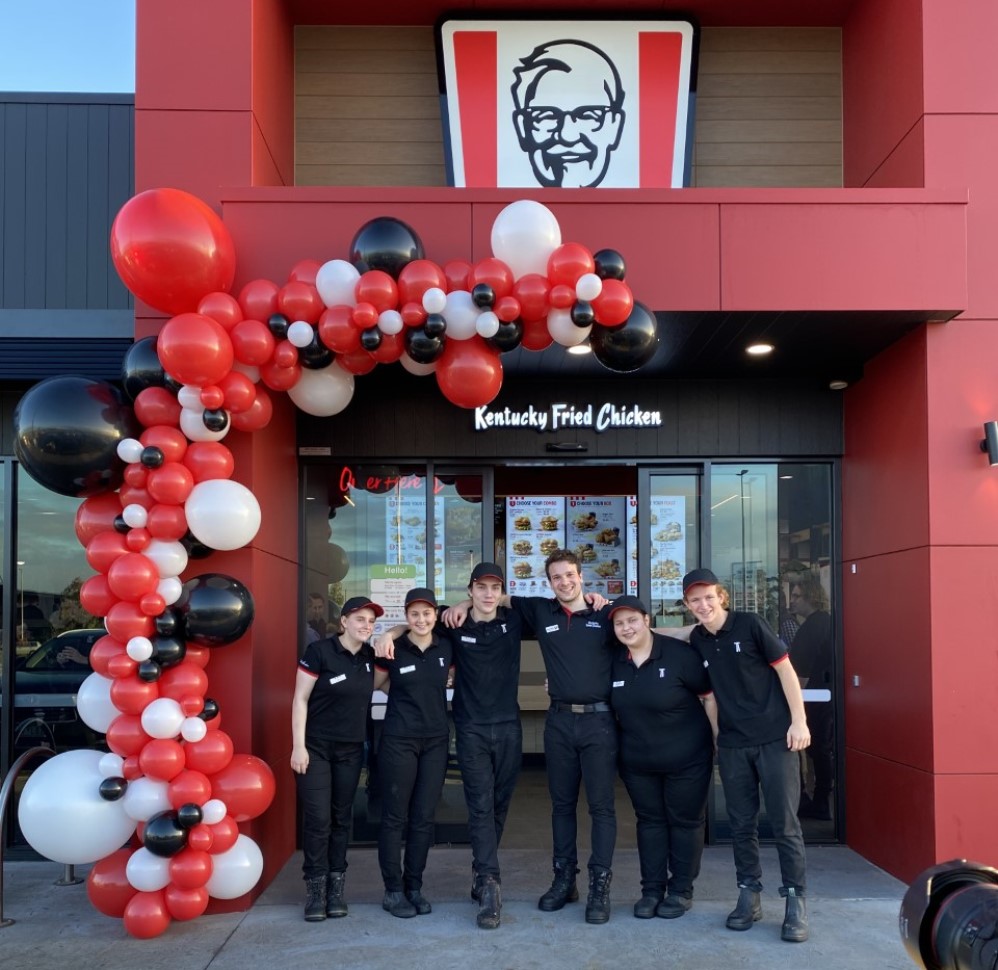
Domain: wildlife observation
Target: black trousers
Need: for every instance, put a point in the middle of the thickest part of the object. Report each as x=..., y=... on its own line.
x=326, y=791
x=581, y=748
x=412, y=774
x=489, y=756
x=775, y=769
x=671, y=810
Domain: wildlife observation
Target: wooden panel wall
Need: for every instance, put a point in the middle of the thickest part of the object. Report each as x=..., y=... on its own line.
x=769, y=107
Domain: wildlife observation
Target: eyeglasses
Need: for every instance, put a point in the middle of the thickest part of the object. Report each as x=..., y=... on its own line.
x=544, y=119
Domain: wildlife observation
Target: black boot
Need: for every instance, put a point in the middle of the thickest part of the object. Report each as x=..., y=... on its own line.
x=335, y=904
x=795, y=921
x=598, y=904
x=491, y=904
x=645, y=907
x=563, y=889
x=672, y=907
x=396, y=903
x=419, y=902
x=315, y=899
x=476, y=885
x=748, y=910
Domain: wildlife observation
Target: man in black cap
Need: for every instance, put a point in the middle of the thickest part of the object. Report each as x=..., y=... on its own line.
x=762, y=727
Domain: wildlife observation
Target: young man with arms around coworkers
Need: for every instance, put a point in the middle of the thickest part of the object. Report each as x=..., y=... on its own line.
x=762, y=727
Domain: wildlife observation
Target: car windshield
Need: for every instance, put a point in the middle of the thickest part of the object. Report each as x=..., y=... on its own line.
x=67, y=651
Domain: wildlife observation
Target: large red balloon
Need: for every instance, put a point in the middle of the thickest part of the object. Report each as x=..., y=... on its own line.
x=171, y=483
x=614, y=304
x=568, y=262
x=183, y=680
x=223, y=308
x=108, y=887
x=211, y=754
x=189, y=787
x=132, y=575
x=246, y=785
x=156, y=405
x=171, y=250
x=96, y=596
x=168, y=438
x=186, y=903
x=209, y=459
x=96, y=514
x=146, y=915
x=125, y=735
x=190, y=869
x=132, y=695
x=126, y=620
x=377, y=288
x=469, y=372
x=417, y=277
x=300, y=301
x=161, y=758
x=104, y=548
x=195, y=349
x=252, y=342
x=336, y=330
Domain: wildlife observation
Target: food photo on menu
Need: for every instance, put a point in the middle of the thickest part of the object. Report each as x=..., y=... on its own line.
x=533, y=531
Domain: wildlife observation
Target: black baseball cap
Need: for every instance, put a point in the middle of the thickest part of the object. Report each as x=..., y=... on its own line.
x=486, y=570
x=420, y=595
x=627, y=603
x=360, y=603
x=698, y=577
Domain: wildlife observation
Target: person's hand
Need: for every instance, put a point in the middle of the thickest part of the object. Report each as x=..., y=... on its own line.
x=70, y=655
x=384, y=646
x=299, y=760
x=454, y=616
x=798, y=737
x=596, y=600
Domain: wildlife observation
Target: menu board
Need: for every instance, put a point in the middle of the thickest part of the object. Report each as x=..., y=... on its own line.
x=535, y=527
x=668, y=546
x=405, y=533
x=389, y=584
x=596, y=531
x=632, y=545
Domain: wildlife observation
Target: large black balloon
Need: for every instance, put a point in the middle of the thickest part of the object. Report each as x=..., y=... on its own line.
x=316, y=355
x=629, y=346
x=67, y=431
x=421, y=347
x=508, y=337
x=163, y=834
x=387, y=244
x=215, y=609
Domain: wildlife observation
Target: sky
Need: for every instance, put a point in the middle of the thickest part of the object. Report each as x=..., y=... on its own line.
x=67, y=45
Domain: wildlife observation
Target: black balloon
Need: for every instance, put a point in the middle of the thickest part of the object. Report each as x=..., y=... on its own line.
x=67, y=431
x=167, y=623
x=582, y=314
x=163, y=834
x=483, y=295
x=421, y=347
x=507, y=337
x=387, y=244
x=609, y=265
x=141, y=368
x=210, y=709
x=278, y=324
x=216, y=609
x=215, y=419
x=195, y=548
x=370, y=339
x=189, y=815
x=120, y=525
x=111, y=789
x=316, y=355
x=168, y=650
x=629, y=346
x=435, y=325
x=152, y=457
x=149, y=671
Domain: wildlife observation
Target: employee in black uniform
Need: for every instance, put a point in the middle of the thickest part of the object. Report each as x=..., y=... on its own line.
x=662, y=699
x=762, y=727
x=412, y=758
x=328, y=726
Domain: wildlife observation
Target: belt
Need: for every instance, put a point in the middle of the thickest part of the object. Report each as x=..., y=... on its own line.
x=599, y=707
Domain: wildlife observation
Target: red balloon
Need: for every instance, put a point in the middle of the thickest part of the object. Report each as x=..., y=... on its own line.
x=96, y=596
x=136, y=475
x=562, y=296
x=190, y=869
x=156, y=405
x=131, y=695
x=189, y=787
x=108, y=888
x=104, y=649
x=532, y=292
x=495, y=273
x=195, y=349
x=364, y=316
x=184, y=904
x=161, y=758
x=336, y=330
x=200, y=838
x=457, y=272
x=137, y=540
x=191, y=704
x=169, y=439
x=170, y=484
x=469, y=372
x=359, y=362
x=223, y=834
x=152, y=604
x=211, y=754
x=132, y=575
x=413, y=314
x=146, y=915
x=568, y=262
x=130, y=770
x=136, y=495
x=280, y=378
x=121, y=665
x=252, y=343
x=417, y=277
x=183, y=680
x=125, y=736
x=167, y=522
x=390, y=349
x=237, y=390
x=126, y=620
x=305, y=271
x=536, y=335
x=96, y=514
x=258, y=299
x=171, y=250
x=209, y=459
x=212, y=397
x=285, y=354
x=507, y=308
x=198, y=655
x=104, y=548
x=377, y=288
x=300, y=301
x=223, y=308
x=256, y=416
x=246, y=785
x=614, y=304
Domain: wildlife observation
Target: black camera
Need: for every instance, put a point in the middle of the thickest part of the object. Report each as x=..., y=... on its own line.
x=949, y=917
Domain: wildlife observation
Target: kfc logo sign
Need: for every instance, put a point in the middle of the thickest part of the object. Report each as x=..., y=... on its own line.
x=568, y=104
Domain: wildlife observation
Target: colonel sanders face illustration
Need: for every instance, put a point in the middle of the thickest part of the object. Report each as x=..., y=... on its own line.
x=569, y=112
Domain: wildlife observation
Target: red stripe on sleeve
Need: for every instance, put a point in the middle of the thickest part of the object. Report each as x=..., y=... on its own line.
x=311, y=673
x=475, y=59
x=659, y=61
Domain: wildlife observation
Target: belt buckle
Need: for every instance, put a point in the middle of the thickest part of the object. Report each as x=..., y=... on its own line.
x=578, y=708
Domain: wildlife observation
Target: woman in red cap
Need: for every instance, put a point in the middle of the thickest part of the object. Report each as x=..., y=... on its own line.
x=333, y=687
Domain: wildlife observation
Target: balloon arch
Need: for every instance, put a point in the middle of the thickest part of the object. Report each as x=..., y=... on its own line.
x=157, y=491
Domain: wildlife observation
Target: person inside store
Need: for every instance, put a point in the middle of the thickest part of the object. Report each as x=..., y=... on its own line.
x=315, y=628
x=412, y=756
x=811, y=653
x=667, y=721
x=761, y=728
x=486, y=650
x=333, y=686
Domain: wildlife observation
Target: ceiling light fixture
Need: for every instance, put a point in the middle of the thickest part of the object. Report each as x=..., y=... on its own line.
x=837, y=385
x=579, y=349
x=759, y=350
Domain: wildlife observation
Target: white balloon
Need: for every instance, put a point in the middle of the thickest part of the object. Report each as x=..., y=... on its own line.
x=300, y=333
x=62, y=814
x=146, y=871
x=251, y=371
x=336, y=282
x=162, y=718
x=223, y=514
x=189, y=396
x=111, y=765
x=524, y=235
x=193, y=729
x=322, y=392
x=213, y=811
x=420, y=370
x=139, y=648
x=487, y=324
x=235, y=871
x=129, y=450
x=144, y=797
x=390, y=322
x=434, y=300
x=192, y=425
x=563, y=330
x=93, y=703
x=170, y=588
x=461, y=315
x=588, y=287
x=169, y=556
x=135, y=516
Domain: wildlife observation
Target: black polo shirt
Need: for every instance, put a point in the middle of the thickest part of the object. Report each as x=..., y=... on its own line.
x=341, y=697
x=663, y=726
x=417, y=696
x=576, y=648
x=751, y=706
x=487, y=668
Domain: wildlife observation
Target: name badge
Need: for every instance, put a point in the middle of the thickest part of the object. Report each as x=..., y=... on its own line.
x=594, y=624
x=407, y=670
x=336, y=680
x=618, y=683
x=551, y=629
x=468, y=640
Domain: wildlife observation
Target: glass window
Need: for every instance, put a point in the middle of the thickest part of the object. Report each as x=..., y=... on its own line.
x=672, y=533
x=457, y=534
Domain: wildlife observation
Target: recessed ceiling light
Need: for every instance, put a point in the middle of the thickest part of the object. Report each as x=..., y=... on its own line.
x=759, y=350
x=784, y=478
x=580, y=349
x=837, y=385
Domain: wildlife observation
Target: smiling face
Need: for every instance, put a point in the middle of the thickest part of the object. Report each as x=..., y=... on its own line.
x=485, y=595
x=632, y=628
x=421, y=618
x=358, y=625
x=704, y=601
x=566, y=583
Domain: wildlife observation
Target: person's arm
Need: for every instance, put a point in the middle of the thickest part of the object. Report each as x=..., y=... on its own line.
x=381, y=678
x=455, y=615
x=798, y=737
x=676, y=632
x=596, y=600
x=384, y=646
x=709, y=702
x=304, y=683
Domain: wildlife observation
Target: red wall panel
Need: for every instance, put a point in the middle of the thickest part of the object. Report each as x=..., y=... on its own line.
x=965, y=818
x=273, y=78
x=905, y=166
x=959, y=56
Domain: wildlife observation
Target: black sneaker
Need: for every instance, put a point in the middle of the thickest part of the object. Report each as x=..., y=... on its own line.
x=673, y=907
x=419, y=902
x=646, y=906
x=397, y=904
